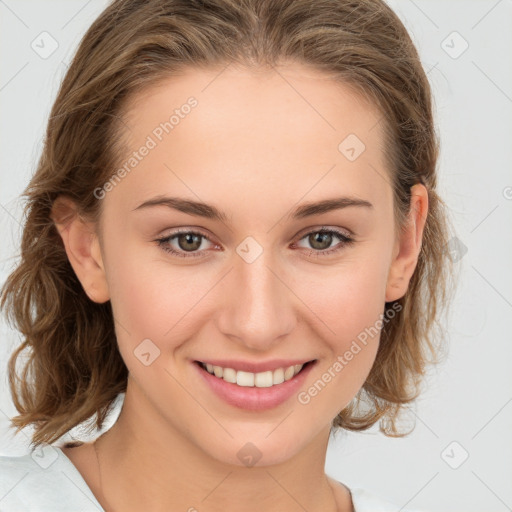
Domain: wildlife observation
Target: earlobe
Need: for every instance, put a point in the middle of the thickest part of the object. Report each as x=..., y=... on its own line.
x=407, y=249
x=82, y=248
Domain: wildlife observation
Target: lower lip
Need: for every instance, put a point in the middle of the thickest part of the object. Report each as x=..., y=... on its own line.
x=254, y=398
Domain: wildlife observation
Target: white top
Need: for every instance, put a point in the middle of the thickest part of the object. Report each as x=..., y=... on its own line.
x=47, y=481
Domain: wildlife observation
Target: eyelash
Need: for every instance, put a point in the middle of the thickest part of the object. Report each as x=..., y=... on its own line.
x=345, y=241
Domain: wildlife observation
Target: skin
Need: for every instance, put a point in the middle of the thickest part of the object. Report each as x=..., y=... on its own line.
x=258, y=144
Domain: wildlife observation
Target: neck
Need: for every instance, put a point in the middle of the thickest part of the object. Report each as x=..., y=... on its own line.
x=145, y=463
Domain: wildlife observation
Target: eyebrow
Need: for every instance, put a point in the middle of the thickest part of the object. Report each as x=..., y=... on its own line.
x=209, y=211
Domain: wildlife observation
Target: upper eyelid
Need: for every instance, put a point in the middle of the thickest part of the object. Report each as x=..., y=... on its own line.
x=344, y=231
x=194, y=231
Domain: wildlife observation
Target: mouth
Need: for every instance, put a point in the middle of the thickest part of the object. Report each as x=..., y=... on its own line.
x=254, y=391
x=265, y=379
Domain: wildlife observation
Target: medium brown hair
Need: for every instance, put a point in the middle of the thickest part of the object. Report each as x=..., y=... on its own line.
x=74, y=369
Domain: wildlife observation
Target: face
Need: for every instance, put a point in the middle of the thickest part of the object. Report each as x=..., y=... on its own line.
x=269, y=279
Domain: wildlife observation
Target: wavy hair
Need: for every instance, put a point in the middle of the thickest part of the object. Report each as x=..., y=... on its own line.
x=74, y=369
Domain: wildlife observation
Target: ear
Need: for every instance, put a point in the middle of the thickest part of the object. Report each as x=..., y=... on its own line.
x=408, y=245
x=82, y=247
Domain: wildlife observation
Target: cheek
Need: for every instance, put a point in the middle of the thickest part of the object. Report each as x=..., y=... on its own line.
x=152, y=299
x=346, y=299
x=348, y=306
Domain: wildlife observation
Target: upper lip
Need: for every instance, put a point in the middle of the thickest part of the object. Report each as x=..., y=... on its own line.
x=253, y=367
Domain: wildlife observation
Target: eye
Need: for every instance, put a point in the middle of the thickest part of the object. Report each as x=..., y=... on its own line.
x=321, y=240
x=188, y=243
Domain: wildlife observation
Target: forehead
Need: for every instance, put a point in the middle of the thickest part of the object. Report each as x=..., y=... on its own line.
x=286, y=131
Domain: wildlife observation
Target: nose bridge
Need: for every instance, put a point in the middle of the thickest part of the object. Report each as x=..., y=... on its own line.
x=258, y=309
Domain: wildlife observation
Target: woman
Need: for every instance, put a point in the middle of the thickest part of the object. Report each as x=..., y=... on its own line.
x=234, y=222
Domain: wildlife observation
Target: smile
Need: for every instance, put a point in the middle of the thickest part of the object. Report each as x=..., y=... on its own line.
x=254, y=391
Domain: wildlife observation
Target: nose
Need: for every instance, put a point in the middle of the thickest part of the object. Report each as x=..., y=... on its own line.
x=258, y=303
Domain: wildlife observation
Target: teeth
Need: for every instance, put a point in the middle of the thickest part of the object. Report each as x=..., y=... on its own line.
x=264, y=379
x=229, y=375
x=278, y=377
x=289, y=372
x=248, y=379
x=245, y=379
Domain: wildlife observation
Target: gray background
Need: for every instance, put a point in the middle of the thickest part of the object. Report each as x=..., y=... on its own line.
x=459, y=456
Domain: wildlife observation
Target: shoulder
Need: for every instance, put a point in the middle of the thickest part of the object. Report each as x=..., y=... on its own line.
x=42, y=480
x=365, y=500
